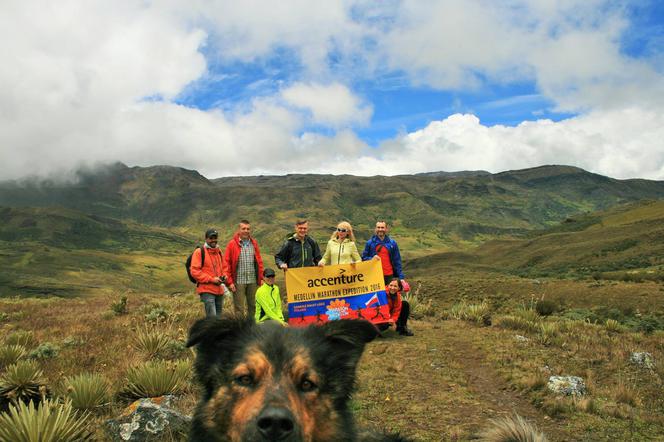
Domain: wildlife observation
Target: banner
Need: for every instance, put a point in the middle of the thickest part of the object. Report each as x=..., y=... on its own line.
x=344, y=291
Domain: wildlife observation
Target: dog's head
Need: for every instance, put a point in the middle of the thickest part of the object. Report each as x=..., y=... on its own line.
x=267, y=382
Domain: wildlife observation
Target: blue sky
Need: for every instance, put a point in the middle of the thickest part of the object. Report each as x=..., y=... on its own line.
x=399, y=86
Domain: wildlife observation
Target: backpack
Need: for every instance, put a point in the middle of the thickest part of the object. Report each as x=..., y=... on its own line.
x=188, y=264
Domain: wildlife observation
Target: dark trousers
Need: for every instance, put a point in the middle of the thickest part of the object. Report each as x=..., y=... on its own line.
x=402, y=320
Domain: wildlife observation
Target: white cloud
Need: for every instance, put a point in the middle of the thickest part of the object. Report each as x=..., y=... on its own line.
x=84, y=82
x=333, y=104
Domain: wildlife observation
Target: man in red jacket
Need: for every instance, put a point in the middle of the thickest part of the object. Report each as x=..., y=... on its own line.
x=209, y=276
x=243, y=268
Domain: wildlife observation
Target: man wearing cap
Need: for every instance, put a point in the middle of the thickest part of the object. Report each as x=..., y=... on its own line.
x=209, y=275
x=243, y=268
x=299, y=250
x=387, y=250
x=268, y=300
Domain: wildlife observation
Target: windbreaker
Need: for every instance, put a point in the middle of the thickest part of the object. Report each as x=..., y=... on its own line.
x=391, y=246
x=268, y=304
x=344, y=252
x=212, y=267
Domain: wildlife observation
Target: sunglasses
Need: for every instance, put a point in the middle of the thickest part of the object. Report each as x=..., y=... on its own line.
x=342, y=230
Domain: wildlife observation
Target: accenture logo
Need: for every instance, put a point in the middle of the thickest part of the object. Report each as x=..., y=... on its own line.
x=335, y=280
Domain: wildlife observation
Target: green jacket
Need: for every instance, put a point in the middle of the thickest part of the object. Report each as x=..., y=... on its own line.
x=268, y=304
x=341, y=252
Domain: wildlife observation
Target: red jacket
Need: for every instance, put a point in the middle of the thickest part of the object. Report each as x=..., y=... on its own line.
x=394, y=302
x=212, y=267
x=232, y=256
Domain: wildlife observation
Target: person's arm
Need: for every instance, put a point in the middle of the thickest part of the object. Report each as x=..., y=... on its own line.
x=397, y=309
x=326, y=256
x=259, y=262
x=354, y=254
x=226, y=265
x=396, y=262
x=283, y=255
x=316, y=251
x=366, y=254
x=197, y=270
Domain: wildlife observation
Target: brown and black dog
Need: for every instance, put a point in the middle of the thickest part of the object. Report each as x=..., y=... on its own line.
x=272, y=383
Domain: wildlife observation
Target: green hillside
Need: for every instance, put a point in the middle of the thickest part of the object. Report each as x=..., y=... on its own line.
x=625, y=242
x=63, y=252
x=429, y=212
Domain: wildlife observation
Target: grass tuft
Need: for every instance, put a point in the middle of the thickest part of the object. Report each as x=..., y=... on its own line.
x=479, y=313
x=10, y=354
x=48, y=422
x=151, y=342
x=158, y=378
x=86, y=391
x=20, y=337
x=512, y=429
x=21, y=381
x=420, y=308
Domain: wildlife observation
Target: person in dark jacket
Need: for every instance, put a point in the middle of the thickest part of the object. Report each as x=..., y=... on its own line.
x=387, y=250
x=243, y=267
x=300, y=250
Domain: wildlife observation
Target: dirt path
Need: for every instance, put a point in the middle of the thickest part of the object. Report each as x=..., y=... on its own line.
x=439, y=385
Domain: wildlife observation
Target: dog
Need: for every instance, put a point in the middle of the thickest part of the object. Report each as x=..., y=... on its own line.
x=267, y=382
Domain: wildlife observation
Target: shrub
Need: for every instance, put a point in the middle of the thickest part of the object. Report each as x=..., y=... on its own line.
x=157, y=314
x=86, y=391
x=151, y=342
x=545, y=307
x=44, y=351
x=22, y=381
x=528, y=314
x=49, y=422
x=613, y=326
x=153, y=379
x=512, y=429
x=119, y=307
x=419, y=308
x=547, y=331
x=10, y=354
x=518, y=323
x=479, y=313
x=20, y=337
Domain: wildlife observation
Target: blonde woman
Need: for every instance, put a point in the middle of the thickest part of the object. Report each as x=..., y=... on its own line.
x=341, y=247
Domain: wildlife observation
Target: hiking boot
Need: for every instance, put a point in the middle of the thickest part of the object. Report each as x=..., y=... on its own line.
x=405, y=332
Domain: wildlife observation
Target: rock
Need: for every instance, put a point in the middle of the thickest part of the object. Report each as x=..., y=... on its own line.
x=567, y=385
x=148, y=419
x=521, y=338
x=642, y=359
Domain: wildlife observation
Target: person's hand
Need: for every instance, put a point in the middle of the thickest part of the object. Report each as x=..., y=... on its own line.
x=352, y=264
x=216, y=280
x=321, y=264
x=232, y=287
x=283, y=266
x=376, y=257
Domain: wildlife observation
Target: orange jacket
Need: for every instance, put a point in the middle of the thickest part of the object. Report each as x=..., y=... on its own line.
x=212, y=268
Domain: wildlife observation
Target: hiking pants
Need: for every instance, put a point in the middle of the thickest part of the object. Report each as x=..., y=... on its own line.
x=244, y=299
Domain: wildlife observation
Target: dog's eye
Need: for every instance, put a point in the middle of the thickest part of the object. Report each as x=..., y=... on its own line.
x=245, y=380
x=307, y=386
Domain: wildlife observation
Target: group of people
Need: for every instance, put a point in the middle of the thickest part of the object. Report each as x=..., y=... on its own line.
x=240, y=268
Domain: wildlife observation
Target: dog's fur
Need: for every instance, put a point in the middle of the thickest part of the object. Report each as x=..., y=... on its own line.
x=272, y=383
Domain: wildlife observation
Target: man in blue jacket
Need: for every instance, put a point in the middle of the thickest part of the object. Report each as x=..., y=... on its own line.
x=387, y=250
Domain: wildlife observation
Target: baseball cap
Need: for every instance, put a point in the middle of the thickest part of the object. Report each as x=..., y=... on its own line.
x=268, y=272
x=211, y=232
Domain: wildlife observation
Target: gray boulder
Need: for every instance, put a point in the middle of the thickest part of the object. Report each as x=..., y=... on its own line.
x=567, y=385
x=149, y=419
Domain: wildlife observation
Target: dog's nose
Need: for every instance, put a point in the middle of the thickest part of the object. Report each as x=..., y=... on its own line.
x=275, y=423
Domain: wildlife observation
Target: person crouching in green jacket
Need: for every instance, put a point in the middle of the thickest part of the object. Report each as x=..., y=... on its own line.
x=268, y=300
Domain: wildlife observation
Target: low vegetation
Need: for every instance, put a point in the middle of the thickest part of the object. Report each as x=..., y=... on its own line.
x=48, y=422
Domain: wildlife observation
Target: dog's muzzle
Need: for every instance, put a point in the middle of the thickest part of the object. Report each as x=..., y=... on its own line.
x=277, y=424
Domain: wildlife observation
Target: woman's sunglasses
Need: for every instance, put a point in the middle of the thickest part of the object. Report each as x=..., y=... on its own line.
x=342, y=230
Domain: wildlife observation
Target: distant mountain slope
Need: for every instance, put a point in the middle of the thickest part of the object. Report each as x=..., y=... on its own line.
x=429, y=212
x=621, y=239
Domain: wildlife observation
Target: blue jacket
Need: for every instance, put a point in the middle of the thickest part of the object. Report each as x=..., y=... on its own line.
x=391, y=246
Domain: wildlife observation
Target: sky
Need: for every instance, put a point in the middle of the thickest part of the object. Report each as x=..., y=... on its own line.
x=341, y=87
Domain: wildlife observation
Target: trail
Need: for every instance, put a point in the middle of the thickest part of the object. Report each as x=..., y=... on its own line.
x=440, y=385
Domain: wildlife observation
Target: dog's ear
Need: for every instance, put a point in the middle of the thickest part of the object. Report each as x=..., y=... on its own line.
x=351, y=332
x=213, y=330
